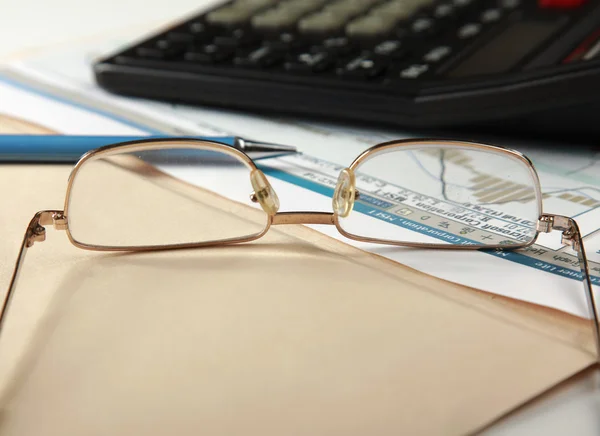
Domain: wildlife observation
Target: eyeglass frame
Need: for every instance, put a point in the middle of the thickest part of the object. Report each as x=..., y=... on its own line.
x=36, y=231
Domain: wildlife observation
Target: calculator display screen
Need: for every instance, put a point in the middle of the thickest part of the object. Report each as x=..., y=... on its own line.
x=504, y=51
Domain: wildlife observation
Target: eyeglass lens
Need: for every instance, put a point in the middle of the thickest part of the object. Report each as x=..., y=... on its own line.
x=457, y=195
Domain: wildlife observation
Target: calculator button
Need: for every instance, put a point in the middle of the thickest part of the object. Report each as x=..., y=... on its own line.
x=310, y=62
x=344, y=14
x=286, y=42
x=469, y=31
x=289, y=38
x=195, y=31
x=322, y=23
x=444, y=11
x=265, y=56
x=423, y=26
x=238, y=38
x=381, y=19
x=397, y=10
x=414, y=71
x=237, y=12
x=285, y=14
x=197, y=27
x=509, y=4
x=491, y=15
x=339, y=46
x=437, y=54
x=366, y=66
x=462, y=3
x=349, y=8
x=370, y=26
x=210, y=53
x=229, y=16
x=160, y=49
x=392, y=48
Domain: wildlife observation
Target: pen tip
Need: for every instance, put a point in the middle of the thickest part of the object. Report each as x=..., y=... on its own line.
x=259, y=146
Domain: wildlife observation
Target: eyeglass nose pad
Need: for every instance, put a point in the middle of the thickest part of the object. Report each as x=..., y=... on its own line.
x=264, y=194
x=345, y=193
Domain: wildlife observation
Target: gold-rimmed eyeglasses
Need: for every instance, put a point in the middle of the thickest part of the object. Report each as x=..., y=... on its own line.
x=179, y=193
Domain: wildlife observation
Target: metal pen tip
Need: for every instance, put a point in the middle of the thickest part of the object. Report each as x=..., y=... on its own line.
x=263, y=147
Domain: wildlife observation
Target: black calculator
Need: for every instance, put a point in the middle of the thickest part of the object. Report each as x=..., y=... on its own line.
x=505, y=65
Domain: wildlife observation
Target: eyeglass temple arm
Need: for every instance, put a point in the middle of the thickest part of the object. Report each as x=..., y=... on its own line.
x=571, y=235
x=35, y=232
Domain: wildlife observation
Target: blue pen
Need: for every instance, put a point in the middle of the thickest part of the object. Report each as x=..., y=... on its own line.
x=69, y=148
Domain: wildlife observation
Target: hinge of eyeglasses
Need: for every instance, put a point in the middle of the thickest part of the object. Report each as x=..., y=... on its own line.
x=59, y=221
x=37, y=231
x=548, y=223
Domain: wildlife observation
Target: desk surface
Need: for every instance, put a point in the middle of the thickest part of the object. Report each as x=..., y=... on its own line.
x=573, y=410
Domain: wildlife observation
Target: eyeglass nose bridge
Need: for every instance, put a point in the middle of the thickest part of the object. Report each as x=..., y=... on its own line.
x=265, y=195
x=343, y=201
x=284, y=218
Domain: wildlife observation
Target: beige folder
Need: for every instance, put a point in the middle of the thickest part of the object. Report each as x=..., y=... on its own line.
x=294, y=334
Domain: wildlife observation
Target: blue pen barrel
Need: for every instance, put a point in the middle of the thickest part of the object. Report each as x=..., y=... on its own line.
x=69, y=148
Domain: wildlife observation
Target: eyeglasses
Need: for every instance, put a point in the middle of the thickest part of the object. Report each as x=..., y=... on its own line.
x=171, y=193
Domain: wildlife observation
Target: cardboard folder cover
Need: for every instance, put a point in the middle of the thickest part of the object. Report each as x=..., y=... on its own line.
x=293, y=334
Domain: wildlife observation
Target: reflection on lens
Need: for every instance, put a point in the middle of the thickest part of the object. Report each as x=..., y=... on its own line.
x=430, y=193
x=160, y=195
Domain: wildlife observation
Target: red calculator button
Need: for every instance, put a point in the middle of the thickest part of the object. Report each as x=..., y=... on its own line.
x=560, y=4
